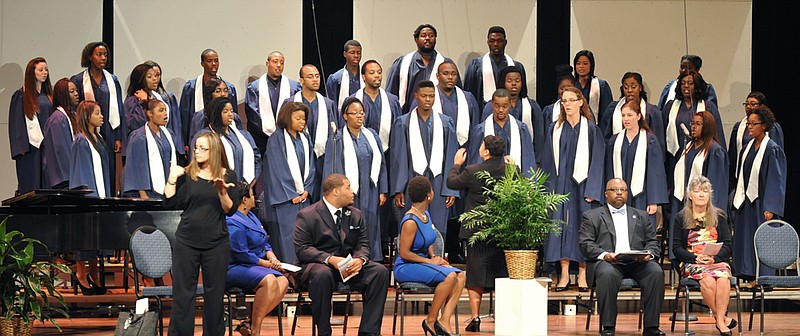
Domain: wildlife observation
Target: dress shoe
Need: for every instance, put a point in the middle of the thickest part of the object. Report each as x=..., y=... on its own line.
x=440, y=329
x=98, y=290
x=724, y=333
x=583, y=289
x=733, y=324
x=608, y=332
x=653, y=332
x=85, y=290
x=474, y=325
x=561, y=289
x=427, y=329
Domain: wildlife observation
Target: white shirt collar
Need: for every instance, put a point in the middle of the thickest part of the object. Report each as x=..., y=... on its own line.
x=332, y=209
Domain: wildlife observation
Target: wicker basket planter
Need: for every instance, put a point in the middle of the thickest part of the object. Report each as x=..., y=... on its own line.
x=521, y=263
x=14, y=327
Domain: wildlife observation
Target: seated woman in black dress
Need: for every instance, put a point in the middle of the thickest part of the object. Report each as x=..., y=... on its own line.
x=253, y=266
x=416, y=261
x=698, y=224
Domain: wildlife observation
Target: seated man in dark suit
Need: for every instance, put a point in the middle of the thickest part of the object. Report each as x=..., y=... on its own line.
x=325, y=234
x=606, y=232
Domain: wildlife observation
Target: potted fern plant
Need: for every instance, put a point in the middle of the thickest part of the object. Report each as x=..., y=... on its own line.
x=27, y=288
x=516, y=218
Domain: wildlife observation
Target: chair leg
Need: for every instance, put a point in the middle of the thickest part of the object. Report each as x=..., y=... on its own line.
x=686, y=311
x=675, y=309
x=402, y=311
x=590, y=308
x=752, y=309
x=280, y=318
x=160, y=316
x=739, y=307
x=762, y=308
x=297, y=311
x=346, y=314
x=396, y=302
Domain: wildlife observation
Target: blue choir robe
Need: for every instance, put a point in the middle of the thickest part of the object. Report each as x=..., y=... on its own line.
x=547, y=116
x=417, y=71
x=28, y=159
x=450, y=108
x=473, y=77
x=537, y=128
x=373, y=110
x=81, y=172
x=526, y=146
x=366, y=199
x=685, y=116
x=402, y=169
x=253, y=113
x=175, y=123
x=279, y=190
x=137, y=169
x=199, y=122
x=662, y=100
x=715, y=168
x=334, y=84
x=605, y=96
x=187, y=107
x=565, y=245
x=57, y=151
x=237, y=151
x=654, y=190
x=653, y=118
x=735, y=150
x=771, y=197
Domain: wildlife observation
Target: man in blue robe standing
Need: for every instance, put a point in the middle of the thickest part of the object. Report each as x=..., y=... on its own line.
x=264, y=97
x=482, y=86
x=345, y=82
x=192, y=94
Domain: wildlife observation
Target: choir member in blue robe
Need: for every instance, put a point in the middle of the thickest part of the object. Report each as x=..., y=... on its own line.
x=515, y=133
x=323, y=117
x=381, y=107
x=423, y=143
x=422, y=64
x=288, y=177
x=90, y=166
x=740, y=136
x=704, y=156
x=175, y=123
x=59, y=132
x=678, y=114
x=192, y=99
x=496, y=60
x=215, y=88
x=644, y=175
x=151, y=152
x=348, y=77
x=243, y=155
x=689, y=64
x=142, y=83
x=564, y=79
x=760, y=190
x=357, y=152
x=596, y=90
x=524, y=109
x=30, y=108
x=264, y=97
x=455, y=103
x=632, y=88
x=573, y=156
x=97, y=84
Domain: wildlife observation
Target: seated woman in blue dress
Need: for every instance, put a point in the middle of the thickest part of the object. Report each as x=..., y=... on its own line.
x=416, y=261
x=253, y=265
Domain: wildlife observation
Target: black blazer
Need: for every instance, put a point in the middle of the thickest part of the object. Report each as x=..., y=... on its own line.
x=474, y=186
x=315, y=236
x=680, y=236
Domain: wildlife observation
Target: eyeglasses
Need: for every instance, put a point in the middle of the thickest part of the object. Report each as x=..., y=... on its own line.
x=221, y=90
x=356, y=113
x=749, y=124
x=746, y=104
x=201, y=149
x=617, y=190
x=570, y=101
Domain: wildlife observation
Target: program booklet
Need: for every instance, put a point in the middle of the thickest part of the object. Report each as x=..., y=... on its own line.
x=343, y=267
x=712, y=249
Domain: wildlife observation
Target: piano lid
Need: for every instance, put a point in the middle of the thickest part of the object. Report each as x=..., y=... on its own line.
x=63, y=200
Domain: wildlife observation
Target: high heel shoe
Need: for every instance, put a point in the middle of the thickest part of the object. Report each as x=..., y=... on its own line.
x=724, y=333
x=85, y=290
x=733, y=324
x=474, y=325
x=440, y=329
x=98, y=290
x=427, y=329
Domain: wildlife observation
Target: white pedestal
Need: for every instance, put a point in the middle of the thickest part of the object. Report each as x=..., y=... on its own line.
x=521, y=307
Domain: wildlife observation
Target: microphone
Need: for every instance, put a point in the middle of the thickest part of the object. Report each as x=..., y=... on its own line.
x=333, y=128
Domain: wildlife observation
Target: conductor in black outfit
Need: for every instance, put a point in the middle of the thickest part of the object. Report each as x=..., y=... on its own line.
x=605, y=232
x=325, y=233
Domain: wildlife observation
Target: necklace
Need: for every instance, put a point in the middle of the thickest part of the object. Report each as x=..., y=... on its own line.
x=421, y=215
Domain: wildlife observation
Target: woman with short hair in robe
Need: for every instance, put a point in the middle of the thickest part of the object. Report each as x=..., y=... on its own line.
x=30, y=108
x=574, y=158
x=702, y=156
x=634, y=155
x=564, y=79
x=151, y=151
x=596, y=90
x=357, y=152
x=59, y=132
x=632, y=89
x=740, y=135
x=97, y=84
x=215, y=88
x=760, y=190
x=288, y=177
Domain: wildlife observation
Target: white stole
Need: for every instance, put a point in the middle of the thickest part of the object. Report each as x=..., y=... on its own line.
x=527, y=115
x=344, y=89
x=462, y=113
x=739, y=137
x=405, y=65
x=159, y=97
x=113, y=105
x=639, y=162
x=321, y=135
x=488, y=75
x=418, y=160
x=755, y=171
x=679, y=181
x=672, y=129
x=156, y=166
x=294, y=164
x=594, y=97
x=97, y=169
x=386, y=115
x=35, y=135
x=556, y=111
x=351, y=158
x=248, y=157
x=265, y=102
x=69, y=123
x=616, y=124
x=199, y=105
x=671, y=91
x=581, y=168
x=516, y=143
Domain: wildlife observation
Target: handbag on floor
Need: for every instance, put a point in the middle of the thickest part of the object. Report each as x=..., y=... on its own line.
x=130, y=324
